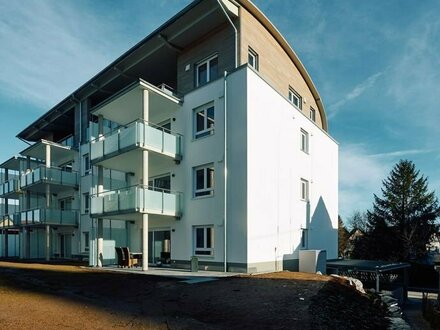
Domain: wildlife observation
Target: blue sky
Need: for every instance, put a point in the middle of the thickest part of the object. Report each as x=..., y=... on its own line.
x=375, y=64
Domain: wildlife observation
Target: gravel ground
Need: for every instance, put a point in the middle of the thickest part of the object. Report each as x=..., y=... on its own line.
x=38, y=296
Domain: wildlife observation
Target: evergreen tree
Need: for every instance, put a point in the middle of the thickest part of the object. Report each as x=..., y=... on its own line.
x=343, y=236
x=401, y=224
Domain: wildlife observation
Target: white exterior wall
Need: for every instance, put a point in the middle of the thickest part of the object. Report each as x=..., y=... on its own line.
x=275, y=166
x=207, y=210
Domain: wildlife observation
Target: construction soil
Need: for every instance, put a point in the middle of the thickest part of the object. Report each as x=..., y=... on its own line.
x=39, y=296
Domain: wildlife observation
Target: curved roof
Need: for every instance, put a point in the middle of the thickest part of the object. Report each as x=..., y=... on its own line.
x=250, y=7
x=109, y=73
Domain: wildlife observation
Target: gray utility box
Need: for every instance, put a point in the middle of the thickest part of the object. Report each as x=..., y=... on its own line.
x=194, y=264
x=312, y=261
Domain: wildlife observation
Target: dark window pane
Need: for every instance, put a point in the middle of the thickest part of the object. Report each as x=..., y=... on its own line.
x=251, y=60
x=213, y=69
x=200, y=179
x=199, y=237
x=202, y=72
x=163, y=182
x=167, y=127
x=200, y=121
x=208, y=238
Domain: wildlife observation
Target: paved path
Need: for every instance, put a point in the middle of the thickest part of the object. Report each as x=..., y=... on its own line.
x=170, y=272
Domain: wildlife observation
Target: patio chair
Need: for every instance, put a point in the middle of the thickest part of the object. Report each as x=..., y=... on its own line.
x=120, y=255
x=130, y=261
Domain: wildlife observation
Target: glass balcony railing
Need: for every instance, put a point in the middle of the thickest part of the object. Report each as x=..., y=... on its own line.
x=43, y=216
x=138, y=134
x=49, y=175
x=10, y=220
x=142, y=199
x=9, y=187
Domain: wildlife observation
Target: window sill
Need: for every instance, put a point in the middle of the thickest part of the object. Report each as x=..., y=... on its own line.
x=204, y=136
x=202, y=197
x=212, y=256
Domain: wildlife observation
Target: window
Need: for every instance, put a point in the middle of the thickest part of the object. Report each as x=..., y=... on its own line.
x=65, y=203
x=204, y=240
x=253, y=58
x=204, y=180
x=304, y=141
x=204, y=121
x=86, y=202
x=160, y=183
x=295, y=98
x=165, y=125
x=304, y=190
x=207, y=70
x=86, y=240
x=303, y=238
x=312, y=114
x=86, y=164
x=67, y=167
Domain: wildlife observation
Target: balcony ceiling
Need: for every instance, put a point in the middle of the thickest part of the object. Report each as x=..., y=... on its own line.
x=60, y=154
x=12, y=163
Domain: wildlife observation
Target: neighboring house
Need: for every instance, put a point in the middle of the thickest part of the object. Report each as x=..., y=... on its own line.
x=353, y=236
x=138, y=155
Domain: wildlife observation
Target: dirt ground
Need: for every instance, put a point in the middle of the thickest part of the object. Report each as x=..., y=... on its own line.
x=37, y=296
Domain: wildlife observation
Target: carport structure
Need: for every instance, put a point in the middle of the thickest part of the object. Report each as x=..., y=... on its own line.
x=370, y=266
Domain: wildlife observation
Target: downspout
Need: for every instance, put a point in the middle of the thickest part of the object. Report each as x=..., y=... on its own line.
x=225, y=99
x=225, y=214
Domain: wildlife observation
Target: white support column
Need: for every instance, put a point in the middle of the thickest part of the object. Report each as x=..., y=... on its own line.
x=48, y=164
x=47, y=243
x=100, y=222
x=145, y=116
x=100, y=225
x=100, y=233
x=25, y=243
x=5, y=231
x=145, y=215
x=48, y=154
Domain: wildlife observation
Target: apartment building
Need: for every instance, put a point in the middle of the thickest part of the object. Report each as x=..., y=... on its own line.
x=208, y=138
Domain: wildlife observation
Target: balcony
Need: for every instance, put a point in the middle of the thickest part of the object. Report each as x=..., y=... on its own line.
x=136, y=135
x=59, y=179
x=43, y=216
x=10, y=221
x=136, y=200
x=10, y=189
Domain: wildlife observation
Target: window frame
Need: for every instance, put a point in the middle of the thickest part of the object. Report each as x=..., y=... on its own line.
x=152, y=182
x=207, y=130
x=304, y=141
x=294, y=94
x=87, y=165
x=256, y=61
x=304, y=190
x=86, y=202
x=86, y=236
x=206, y=61
x=206, y=191
x=312, y=114
x=207, y=249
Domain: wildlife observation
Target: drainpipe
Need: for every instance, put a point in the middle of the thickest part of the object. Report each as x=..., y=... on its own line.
x=235, y=32
x=225, y=214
